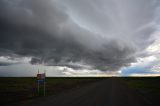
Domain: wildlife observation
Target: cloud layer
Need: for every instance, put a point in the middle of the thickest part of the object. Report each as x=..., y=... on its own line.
x=105, y=34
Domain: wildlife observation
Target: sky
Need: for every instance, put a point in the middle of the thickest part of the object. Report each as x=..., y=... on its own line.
x=80, y=37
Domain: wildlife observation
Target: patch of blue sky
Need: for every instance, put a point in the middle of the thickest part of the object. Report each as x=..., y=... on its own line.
x=137, y=70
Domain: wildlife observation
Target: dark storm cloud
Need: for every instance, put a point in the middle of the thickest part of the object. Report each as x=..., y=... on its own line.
x=4, y=64
x=46, y=31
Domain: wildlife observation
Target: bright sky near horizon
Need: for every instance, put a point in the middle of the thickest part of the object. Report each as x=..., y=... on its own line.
x=80, y=37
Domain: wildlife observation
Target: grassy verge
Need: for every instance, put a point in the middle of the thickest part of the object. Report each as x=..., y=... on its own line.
x=150, y=85
x=19, y=89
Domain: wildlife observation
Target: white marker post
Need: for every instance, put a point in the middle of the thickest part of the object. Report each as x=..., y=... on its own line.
x=38, y=82
x=44, y=83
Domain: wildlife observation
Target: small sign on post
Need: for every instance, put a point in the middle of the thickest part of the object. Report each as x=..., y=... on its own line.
x=41, y=80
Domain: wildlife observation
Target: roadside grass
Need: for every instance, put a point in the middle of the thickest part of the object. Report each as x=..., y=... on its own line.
x=149, y=85
x=16, y=89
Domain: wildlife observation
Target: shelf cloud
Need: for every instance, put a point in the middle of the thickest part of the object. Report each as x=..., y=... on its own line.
x=105, y=35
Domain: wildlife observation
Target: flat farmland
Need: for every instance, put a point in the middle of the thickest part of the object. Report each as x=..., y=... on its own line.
x=81, y=91
x=16, y=89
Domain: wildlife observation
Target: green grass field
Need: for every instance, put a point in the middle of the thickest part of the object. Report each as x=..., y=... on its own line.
x=15, y=89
